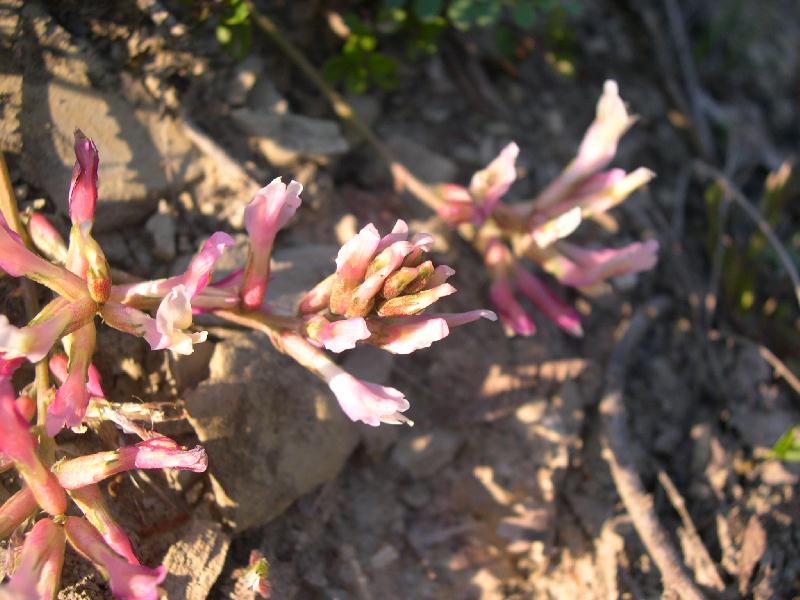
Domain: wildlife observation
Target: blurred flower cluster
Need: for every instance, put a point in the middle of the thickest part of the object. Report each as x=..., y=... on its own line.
x=508, y=235
x=376, y=295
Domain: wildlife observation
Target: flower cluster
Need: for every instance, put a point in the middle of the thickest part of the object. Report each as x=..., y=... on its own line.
x=376, y=296
x=535, y=230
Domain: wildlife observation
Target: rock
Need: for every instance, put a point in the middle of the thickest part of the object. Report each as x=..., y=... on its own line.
x=284, y=138
x=272, y=431
x=385, y=556
x=423, y=454
x=424, y=163
x=161, y=226
x=265, y=97
x=195, y=561
x=138, y=146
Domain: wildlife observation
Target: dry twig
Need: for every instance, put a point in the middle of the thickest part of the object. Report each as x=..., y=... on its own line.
x=616, y=443
x=706, y=570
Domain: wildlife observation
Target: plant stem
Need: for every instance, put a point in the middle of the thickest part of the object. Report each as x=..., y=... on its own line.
x=8, y=206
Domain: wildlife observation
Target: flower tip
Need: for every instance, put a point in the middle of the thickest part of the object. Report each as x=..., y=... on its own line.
x=489, y=315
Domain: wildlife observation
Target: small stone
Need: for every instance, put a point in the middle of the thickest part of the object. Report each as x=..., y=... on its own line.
x=161, y=227
x=368, y=108
x=195, y=561
x=424, y=454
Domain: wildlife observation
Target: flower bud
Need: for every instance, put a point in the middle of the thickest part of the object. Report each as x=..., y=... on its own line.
x=90, y=500
x=15, y=510
x=128, y=581
x=268, y=212
x=83, y=187
x=155, y=453
x=39, y=570
x=46, y=239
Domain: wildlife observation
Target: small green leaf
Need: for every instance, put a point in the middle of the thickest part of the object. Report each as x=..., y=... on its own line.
x=788, y=446
x=224, y=35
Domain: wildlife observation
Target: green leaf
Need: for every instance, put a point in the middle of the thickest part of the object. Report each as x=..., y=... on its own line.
x=427, y=9
x=788, y=446
x=224, y=35
x=524, y=14
x=236, y=13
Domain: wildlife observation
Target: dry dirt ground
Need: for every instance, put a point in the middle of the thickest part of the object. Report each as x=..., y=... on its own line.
x=500, y=490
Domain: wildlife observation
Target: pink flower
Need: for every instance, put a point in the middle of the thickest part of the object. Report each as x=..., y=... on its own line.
x=15, y=510
x=39, y=570
x=127, y=581
x=83, y=187
x=198, y=274
x=458, y=206
x=46, y=239
x=318, y=298
x=370, y=403
x=58, y=366
x=338, y=336
x=91, y=502
x=590, y=267
x=19, y=444
x=195, y=280
x=597, y=149
x=547, y=302
x=72, y=398
x=513, y=317
x=18, y=261
x=351, y=265
x=490, y=184
x=155, y=453
x=268, y=212
x=404, y=335
x=55, y=320
x=596, y=195
x=174, y=314
x=361, y=401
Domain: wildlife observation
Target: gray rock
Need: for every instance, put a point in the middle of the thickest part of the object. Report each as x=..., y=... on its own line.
x=143, y=154
x=295, y=271
x=272, y=431
x=424, y=454
x=195, y=561
x=161, y=226
x=283, y=138
x=424, y=163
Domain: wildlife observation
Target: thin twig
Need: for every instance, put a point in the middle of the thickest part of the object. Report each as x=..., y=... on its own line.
x=616, y=444
x=732, y=192
x=706, y=571
x=682, y=45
